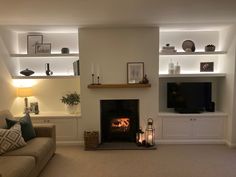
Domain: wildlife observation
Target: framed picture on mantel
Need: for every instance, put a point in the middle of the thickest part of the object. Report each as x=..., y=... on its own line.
x=135, y=72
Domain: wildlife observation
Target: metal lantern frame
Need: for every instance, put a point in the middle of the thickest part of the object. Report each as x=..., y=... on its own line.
x=140, y=137
x=150, y=133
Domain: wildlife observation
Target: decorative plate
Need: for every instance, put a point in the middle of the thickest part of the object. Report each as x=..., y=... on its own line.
x=188, y=46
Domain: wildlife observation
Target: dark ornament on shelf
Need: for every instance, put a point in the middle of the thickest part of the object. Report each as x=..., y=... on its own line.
x=210, y=48
x=65, y=50
x=47, y=69
x=145, y=80
x=188, y=46
x=27, y=72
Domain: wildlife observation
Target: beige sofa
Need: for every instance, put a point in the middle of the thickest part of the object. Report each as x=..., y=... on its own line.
x=29, y=160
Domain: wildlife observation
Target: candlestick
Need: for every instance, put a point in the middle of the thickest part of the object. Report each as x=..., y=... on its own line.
x=98, y=71
x=93, y=79
x=98, y=80
x=92, y=69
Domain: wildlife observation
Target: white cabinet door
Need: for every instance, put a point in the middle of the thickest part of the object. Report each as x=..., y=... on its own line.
x=208, y=127
x=66, y=128
x=177, y=128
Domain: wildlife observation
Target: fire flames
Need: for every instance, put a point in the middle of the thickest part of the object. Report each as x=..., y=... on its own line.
x=121, y=123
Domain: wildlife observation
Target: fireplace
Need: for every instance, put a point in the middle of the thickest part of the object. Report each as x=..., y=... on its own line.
x=119, y=120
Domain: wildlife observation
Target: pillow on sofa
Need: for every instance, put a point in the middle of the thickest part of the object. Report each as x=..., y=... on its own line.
x=26, y=126
x=11, y=139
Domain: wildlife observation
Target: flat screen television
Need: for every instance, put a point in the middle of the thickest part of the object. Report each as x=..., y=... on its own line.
x=189, y=97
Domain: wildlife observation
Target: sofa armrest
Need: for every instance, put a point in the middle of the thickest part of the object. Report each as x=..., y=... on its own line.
x=45, y=130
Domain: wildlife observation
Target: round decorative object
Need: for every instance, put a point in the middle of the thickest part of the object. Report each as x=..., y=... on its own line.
x=65, y=50
x=210, y=48
x=27, y=72
x=188, y=46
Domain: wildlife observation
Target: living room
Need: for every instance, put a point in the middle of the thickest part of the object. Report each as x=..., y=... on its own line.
x=106, y=50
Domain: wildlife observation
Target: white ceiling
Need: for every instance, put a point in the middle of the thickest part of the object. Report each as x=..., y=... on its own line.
x=175, y=13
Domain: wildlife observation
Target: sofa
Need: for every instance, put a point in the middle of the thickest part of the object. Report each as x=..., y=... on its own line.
x=28, y=161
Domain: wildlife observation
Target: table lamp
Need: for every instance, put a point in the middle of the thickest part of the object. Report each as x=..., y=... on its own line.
x=25, y=92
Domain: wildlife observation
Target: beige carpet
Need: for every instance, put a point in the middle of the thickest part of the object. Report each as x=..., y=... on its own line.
x=166, y=161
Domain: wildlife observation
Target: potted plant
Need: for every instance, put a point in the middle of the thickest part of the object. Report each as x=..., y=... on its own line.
x=71, y=100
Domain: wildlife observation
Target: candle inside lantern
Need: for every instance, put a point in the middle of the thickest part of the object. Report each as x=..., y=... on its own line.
x=149, y=139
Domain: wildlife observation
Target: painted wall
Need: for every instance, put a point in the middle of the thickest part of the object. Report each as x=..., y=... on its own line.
x=228, y=98
x=110, y=49
x=6, y=88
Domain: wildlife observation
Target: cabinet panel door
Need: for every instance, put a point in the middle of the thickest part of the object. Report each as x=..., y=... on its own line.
x=177, y=128
x=66, y=129
x=208, y=127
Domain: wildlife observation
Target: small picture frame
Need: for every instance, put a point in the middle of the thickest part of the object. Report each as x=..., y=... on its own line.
x=206, y=66
x=32, y=41
x=135, y=72
x=44, y=48
x=34, y=107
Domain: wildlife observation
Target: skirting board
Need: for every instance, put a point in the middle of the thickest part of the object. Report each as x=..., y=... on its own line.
x=162, y=141
x=231, y=145
x=70, y=143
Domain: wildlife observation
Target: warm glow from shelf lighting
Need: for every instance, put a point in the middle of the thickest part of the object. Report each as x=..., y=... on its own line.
x=24, y=83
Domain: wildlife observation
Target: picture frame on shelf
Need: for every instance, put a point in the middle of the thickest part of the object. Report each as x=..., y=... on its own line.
x=206, y=66
x=44, y=48
x=32, y=41
x=135, y=72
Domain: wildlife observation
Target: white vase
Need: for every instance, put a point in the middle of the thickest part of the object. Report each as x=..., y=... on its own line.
x=72, y=109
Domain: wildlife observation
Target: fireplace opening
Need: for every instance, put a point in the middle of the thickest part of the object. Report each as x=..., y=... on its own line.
x=119, y=120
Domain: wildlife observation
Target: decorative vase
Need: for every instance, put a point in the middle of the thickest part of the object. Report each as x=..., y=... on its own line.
x=47, y=69
x=71, y=109
x=27, y=72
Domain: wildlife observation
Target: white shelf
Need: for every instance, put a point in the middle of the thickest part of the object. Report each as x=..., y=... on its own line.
x=44, y=77
x=203, y=114
x=192, y=75
x=193, y=53
x=73, y=55
x=51, y=115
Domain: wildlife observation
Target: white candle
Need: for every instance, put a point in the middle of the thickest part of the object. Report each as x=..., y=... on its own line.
x=149, y=139
x=98, y=71
x=92, y=68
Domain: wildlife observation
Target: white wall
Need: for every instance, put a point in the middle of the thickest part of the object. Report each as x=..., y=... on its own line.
x=228, y=98
x=7, y=91
x=111, y=49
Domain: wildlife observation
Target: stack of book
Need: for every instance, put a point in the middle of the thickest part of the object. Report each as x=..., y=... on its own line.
x=168, y=49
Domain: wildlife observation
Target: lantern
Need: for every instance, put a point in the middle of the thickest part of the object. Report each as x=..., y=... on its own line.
x=149, y=133
x=140, y=137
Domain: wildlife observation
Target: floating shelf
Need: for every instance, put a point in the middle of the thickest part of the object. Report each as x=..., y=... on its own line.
x=94, y=86
x=194, y=53
x=44, y=77
x=45, y=55
x=192, y=75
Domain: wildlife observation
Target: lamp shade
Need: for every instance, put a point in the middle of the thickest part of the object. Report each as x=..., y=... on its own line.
x=24, y=92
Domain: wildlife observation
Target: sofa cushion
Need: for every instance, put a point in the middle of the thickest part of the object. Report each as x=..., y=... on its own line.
x=3, y=115
x=37, y=147
x=26, y=126
x=11, y=139
x=16, y=166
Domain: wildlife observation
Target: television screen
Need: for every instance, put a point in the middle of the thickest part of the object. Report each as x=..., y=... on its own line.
x=188, y=96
